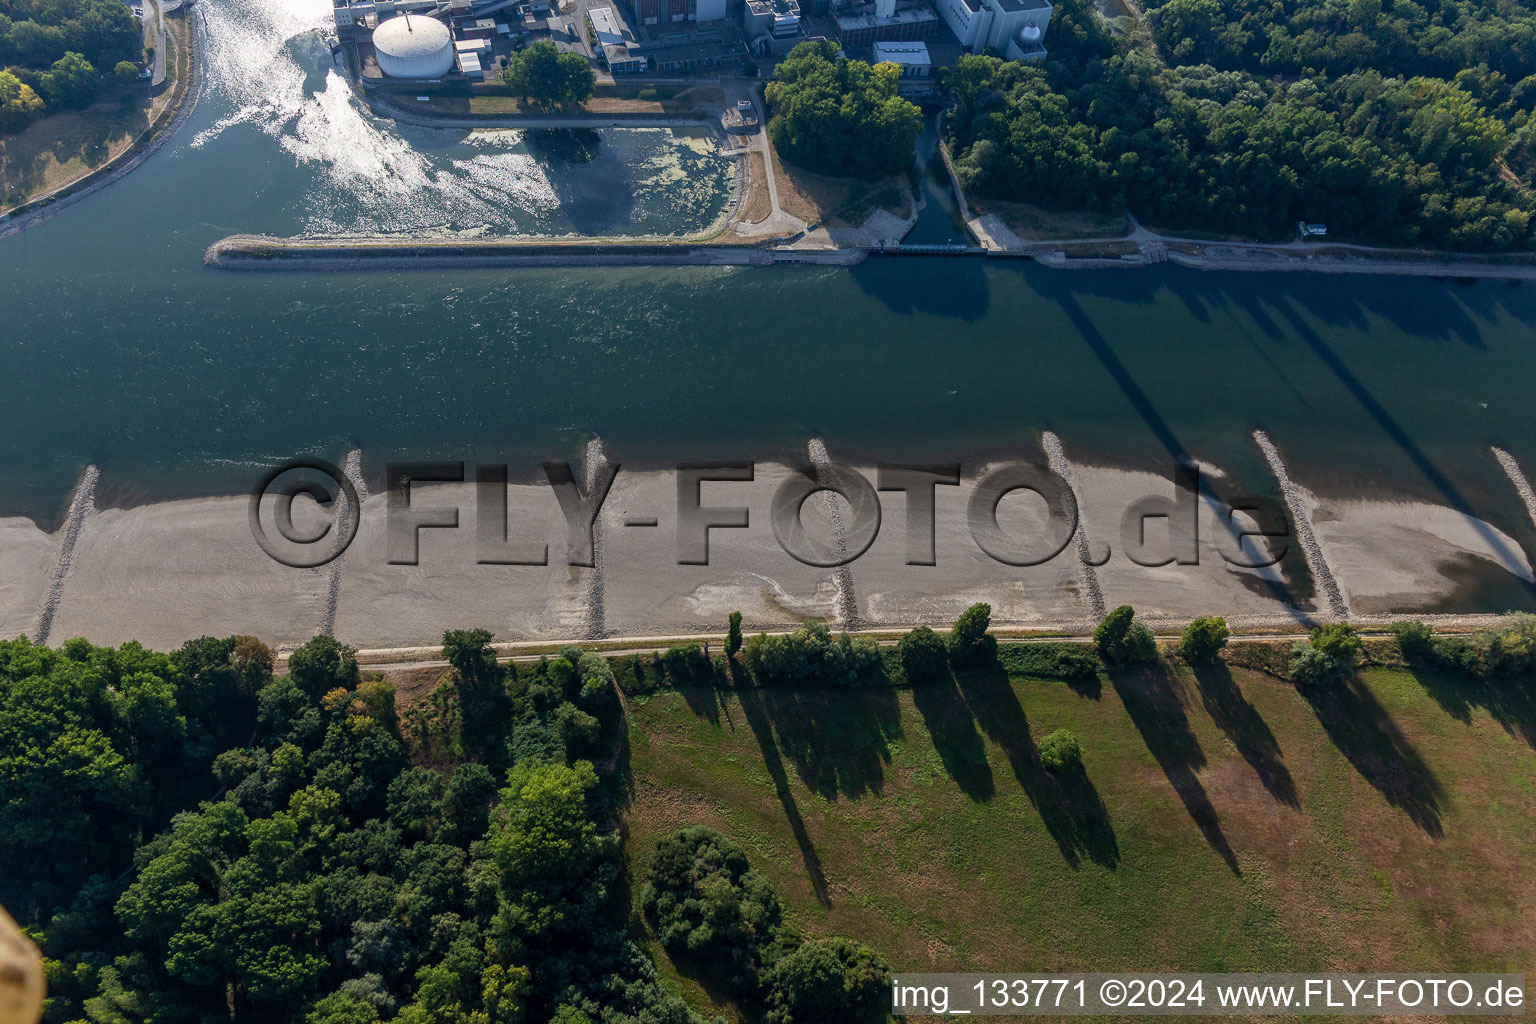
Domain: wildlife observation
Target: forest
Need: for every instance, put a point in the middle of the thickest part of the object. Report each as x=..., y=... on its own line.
x=54, y=54
x=840, y=116
x=191, y=838
x=1390, y=122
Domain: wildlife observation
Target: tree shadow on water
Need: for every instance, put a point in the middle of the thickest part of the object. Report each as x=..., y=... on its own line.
x=1069, y=805
x=1368, y=738
x=1156, y=707
x=1241, y=721
x=904, y=285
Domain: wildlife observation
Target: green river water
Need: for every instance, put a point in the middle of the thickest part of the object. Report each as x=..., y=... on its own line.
x=118, y=347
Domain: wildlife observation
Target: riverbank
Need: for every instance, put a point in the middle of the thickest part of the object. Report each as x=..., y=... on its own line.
x=164, y=572
x=162, y=128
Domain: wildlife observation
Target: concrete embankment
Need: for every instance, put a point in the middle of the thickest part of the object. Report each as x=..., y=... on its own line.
x=260, y=252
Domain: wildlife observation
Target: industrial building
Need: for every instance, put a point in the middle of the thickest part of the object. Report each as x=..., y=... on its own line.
x=413, y=47
x=666, y=12
x=776, y=19
x=864, y=24
x=1015, y=28
x=692, y=52
x=616, y=46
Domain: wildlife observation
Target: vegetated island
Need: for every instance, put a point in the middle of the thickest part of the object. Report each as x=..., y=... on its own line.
x=761, y=834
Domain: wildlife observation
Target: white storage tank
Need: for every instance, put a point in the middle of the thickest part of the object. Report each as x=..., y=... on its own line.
x=413, y=47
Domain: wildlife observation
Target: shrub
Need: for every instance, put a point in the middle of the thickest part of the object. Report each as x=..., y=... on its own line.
x=827, y=981
x=1061, y=751
x=811, y=654
x=1507, y=649
x=1070, y=661
x=924, y=657
x=1203, y=639
x=1313, y=666
x=705, y=901
x=1337, y=640
x=1415, y=640
x=1123, y=641
x=685, y=665
x=969, y=641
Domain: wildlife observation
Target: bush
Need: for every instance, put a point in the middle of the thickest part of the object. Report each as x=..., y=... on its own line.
x=1203, y=639
x=1313, y=666
x=685, y=665
x=828, y=981
x=1337, y=640
x=706, y=902
x=924, y=657
x=1507, y=649
x=1415, y=640
x=1061, y=751
x=969, y=641
x=1073, y=662
x=811, y=654
x=1123, y=641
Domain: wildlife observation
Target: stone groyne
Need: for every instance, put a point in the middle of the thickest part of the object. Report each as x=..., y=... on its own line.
x=1517, y=477
x=1087, y=574
x=261, y=252
x=1301, y=521
x=81, y=504
x=847, y=597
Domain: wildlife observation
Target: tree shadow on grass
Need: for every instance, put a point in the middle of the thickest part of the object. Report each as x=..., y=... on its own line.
x=755, y=710
x=1069, y=806
x=836, y=737
x=953, y=731
x=1368, y=738
x=1241, y=721
x=703, y=701
x=1156, y=708
x=1509, y=701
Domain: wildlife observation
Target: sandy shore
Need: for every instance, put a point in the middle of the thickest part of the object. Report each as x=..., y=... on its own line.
x=163, y=573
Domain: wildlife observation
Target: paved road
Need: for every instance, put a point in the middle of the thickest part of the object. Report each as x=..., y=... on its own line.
x=154, y=35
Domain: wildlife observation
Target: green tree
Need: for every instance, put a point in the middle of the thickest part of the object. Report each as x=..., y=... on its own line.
x=541, y=74
x=1203, y=640
x=555, y=863
x=969, y=641
x=733, y=635
x=19, y=103
x=71, y=82
x=1061, y=751
x=706, y=903
x=924, y=655
x=841, y=116
x=827, y=981
x=1122, y=641
x=322, y=665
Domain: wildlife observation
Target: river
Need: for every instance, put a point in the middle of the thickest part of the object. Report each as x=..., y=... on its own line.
x=122, y=349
